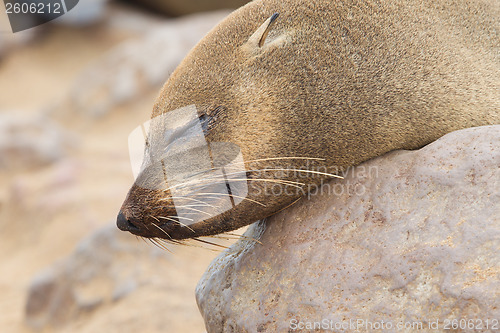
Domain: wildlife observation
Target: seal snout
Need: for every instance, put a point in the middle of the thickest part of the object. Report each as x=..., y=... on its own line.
x=124, y=224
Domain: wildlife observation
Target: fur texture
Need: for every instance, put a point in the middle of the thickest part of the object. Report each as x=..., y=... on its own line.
x=345, y=81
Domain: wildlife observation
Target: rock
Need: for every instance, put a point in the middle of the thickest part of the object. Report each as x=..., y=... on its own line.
x=113, y=282
x=409, y=238
x=133, y=67
x=104, y=268
x=85, y=13
x=28, y=142
x=184, y=7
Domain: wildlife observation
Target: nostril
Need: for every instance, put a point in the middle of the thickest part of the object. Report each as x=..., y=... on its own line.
x=121, y=222
x=124, y=224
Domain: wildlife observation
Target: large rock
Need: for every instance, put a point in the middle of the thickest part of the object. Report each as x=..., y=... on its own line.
x=409, y=238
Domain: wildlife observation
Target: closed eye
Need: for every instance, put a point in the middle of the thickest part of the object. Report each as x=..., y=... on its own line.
x=208, y=119
x=204, y=122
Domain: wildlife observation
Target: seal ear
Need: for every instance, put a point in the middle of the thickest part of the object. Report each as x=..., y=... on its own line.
x=258, y=38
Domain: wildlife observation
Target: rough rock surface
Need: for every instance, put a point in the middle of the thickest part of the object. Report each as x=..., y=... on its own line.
x=408, y=238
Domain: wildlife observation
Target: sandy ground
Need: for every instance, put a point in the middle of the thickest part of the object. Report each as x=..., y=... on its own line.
x=45, y=211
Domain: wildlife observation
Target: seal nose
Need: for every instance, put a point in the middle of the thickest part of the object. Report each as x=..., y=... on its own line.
x=121, y=222
x=124, y=224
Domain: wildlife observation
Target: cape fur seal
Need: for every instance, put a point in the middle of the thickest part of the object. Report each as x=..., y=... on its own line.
x=290, y=85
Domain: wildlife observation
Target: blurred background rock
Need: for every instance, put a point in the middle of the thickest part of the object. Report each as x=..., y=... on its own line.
x=70, y=93
x=182, y=7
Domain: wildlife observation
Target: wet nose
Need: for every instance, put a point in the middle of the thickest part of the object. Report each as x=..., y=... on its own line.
x=124, y=224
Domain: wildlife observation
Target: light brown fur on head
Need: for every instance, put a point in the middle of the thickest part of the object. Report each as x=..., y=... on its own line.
x=342, y=81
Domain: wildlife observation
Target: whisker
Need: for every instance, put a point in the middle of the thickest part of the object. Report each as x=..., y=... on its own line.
x=160, y=245
x=293, y=203
x=207, y=242
x=188, y=206
x=187, y=197
x=281, y=158
x=152, y=242
x=233, y=195
x=243, y=236
x=158, y=227
x=280, y=169
x=182, y=217
x=196, y=245
x=183, y=198
x=224, y=236
x=199, y=211
x=258, y=160
x=182, y=185
x=182, y=224
x=205, y=205
x=279, y=181
x=167, y=218
x=154, y=218
x=228, y=237
x=185, y=225
x=302, y=170
x=284, y=181
x=169, y=241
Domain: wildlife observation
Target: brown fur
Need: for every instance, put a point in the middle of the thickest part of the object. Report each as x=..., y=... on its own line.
x=341, y=80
